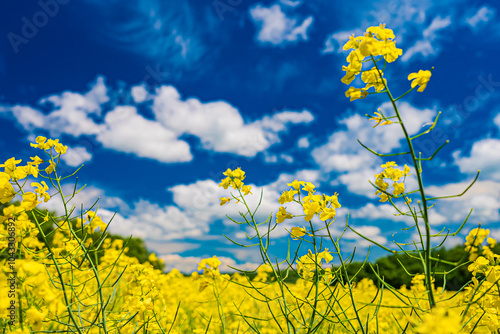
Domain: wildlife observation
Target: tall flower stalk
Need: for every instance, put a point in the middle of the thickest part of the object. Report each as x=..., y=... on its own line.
x=376, y=46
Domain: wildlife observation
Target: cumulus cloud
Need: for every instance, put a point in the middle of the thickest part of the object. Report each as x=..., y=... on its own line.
x=70, y=112
x=353, y=164
x=484, y=155
x=303, y=142
x=219, y=126
x=172, y=247
x=76, y=156
x=139, y=93
x=287, y=158
x=372, y=232
x=29, y=118
x=386, y=211
x=275, y=27
x=87, y=196
x=496, y=120
x=153, y=222
x=483, y=197
x=195, y=207
x=374, y=212
x=127, y=131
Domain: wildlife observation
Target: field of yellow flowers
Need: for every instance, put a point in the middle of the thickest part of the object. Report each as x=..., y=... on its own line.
x=56, y=284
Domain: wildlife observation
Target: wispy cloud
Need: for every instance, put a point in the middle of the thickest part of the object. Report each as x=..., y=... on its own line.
x=483, y=15
x=426, y=46
x=275, y=27
x=165, y=32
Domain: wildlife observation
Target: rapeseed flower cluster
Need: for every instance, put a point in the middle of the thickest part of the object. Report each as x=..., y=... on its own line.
x=475, y=239
x=234, y=179
x=377, y=44
x=482, y=295
x=313, y=262
x=393, y=173
x=313, y=204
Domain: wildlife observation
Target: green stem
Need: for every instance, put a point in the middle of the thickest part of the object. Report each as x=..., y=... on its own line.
x=266, y=259
x=425, y=215
x=86, y=254
x=220, y=308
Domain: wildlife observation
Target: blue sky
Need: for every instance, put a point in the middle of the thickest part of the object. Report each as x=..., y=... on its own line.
x=157, y=98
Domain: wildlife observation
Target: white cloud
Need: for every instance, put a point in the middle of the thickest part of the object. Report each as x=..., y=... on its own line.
x=270, y=158
x=291, y=3
x=397, y=14
x=171, y=247
x=75, y=156
x=355, y=165
x=70, y=114
x=386, y=211
x=484, y=156
x=425, y=46
x=127, y=131
x=153, y=222
x=201, y=201
x=483, y=197
x=483, y=15
x=437, y=24
x=219, y=125
x=195, y=207
x=495, y=233
x=496, y=120
x=372, y=232
x=303, y=142
x=86, y=196
x=143, y=219
x=28, y=117
x=374, y=212
x=185, y=264
x=139, y=93
x=275, y=27
x=286, y=157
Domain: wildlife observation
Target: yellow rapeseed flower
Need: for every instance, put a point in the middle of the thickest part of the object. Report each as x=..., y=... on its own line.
x=421, y=78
